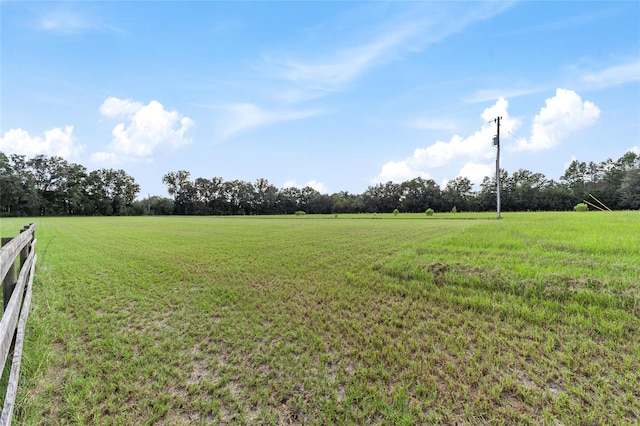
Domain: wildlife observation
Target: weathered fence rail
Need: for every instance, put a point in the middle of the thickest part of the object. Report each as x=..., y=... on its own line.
x=17, y=266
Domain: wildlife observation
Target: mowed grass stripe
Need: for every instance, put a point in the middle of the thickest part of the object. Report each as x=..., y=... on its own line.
x=324, y=320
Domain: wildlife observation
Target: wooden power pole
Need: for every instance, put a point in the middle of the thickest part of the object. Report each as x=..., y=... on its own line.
x=496, y=143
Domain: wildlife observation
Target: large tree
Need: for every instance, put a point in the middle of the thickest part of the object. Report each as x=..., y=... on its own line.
x=54, y=186
x=264, y=197
x=183, y=191
x=111, y=192
x=630, y=190
x=420, y=194
x=457, y=193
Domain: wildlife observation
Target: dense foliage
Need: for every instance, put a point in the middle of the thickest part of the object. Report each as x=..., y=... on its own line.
x=52, y=186
x=614, y=183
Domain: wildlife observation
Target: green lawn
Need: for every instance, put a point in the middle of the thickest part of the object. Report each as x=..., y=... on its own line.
x=364, y=319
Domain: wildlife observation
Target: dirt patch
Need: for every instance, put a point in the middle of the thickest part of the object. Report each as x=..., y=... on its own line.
x=438, y=269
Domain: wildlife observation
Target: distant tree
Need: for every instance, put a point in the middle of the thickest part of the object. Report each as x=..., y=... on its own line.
x=287, y=200
x=575, y=178
x=210, y=196
x=319, y=204
x=265, y=195
x=629, y=161
x=183, y=191
x=111, y=192
x=382, y=198
x=630, y=190
x=240, y=197
x=595, y=172
x=73, y=193
x=417, y=194
x=556, y=197
x=457, y=193
x=49, y=180
x=160, y=206
x=154, y=206
x=17, y=192
x=345, y=202
x=485, y=199
x=307, y=198
x=526, y=189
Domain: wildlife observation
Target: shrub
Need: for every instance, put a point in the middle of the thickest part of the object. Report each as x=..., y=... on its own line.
x=396, y=212
x=581, y=207
x=300, y=213
x=429, y=212
x=454, y=210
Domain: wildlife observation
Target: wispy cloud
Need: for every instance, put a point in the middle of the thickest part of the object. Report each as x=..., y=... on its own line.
x=71, y=21
x=343, y=66
x=399, y=36
x=244, y=116
x=487, y=95
x=580, y=20
x=614, y=75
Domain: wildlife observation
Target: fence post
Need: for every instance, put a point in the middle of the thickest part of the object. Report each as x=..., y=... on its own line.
x=9, y=282
x=24, y=253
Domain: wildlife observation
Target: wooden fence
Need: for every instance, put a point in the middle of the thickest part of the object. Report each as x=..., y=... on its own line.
x=17, y=266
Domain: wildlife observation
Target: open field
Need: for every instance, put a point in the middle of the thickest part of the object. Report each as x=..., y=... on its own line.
x=323, y=320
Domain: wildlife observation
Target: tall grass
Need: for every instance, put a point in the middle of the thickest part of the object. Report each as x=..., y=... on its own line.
x=323, y=320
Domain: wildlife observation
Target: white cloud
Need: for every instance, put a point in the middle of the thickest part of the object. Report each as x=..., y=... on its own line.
x=439, y=154
x=119, y=108
x=614, y=75
x=56, y=142
x=318, y=186
x=476, y=172
x=399, y=171
x=564, y=114
x=245, y=116
x=148, y=128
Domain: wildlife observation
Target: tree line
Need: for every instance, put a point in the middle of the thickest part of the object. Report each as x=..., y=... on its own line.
x=52, y=186
x=614, y=183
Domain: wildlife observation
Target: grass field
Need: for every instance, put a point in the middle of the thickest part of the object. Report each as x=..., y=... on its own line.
x=365, y=319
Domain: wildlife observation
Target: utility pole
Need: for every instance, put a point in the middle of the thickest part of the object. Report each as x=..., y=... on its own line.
x=496, y=143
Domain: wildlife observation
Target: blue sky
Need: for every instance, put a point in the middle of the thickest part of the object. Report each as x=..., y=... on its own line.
x=334, y=95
